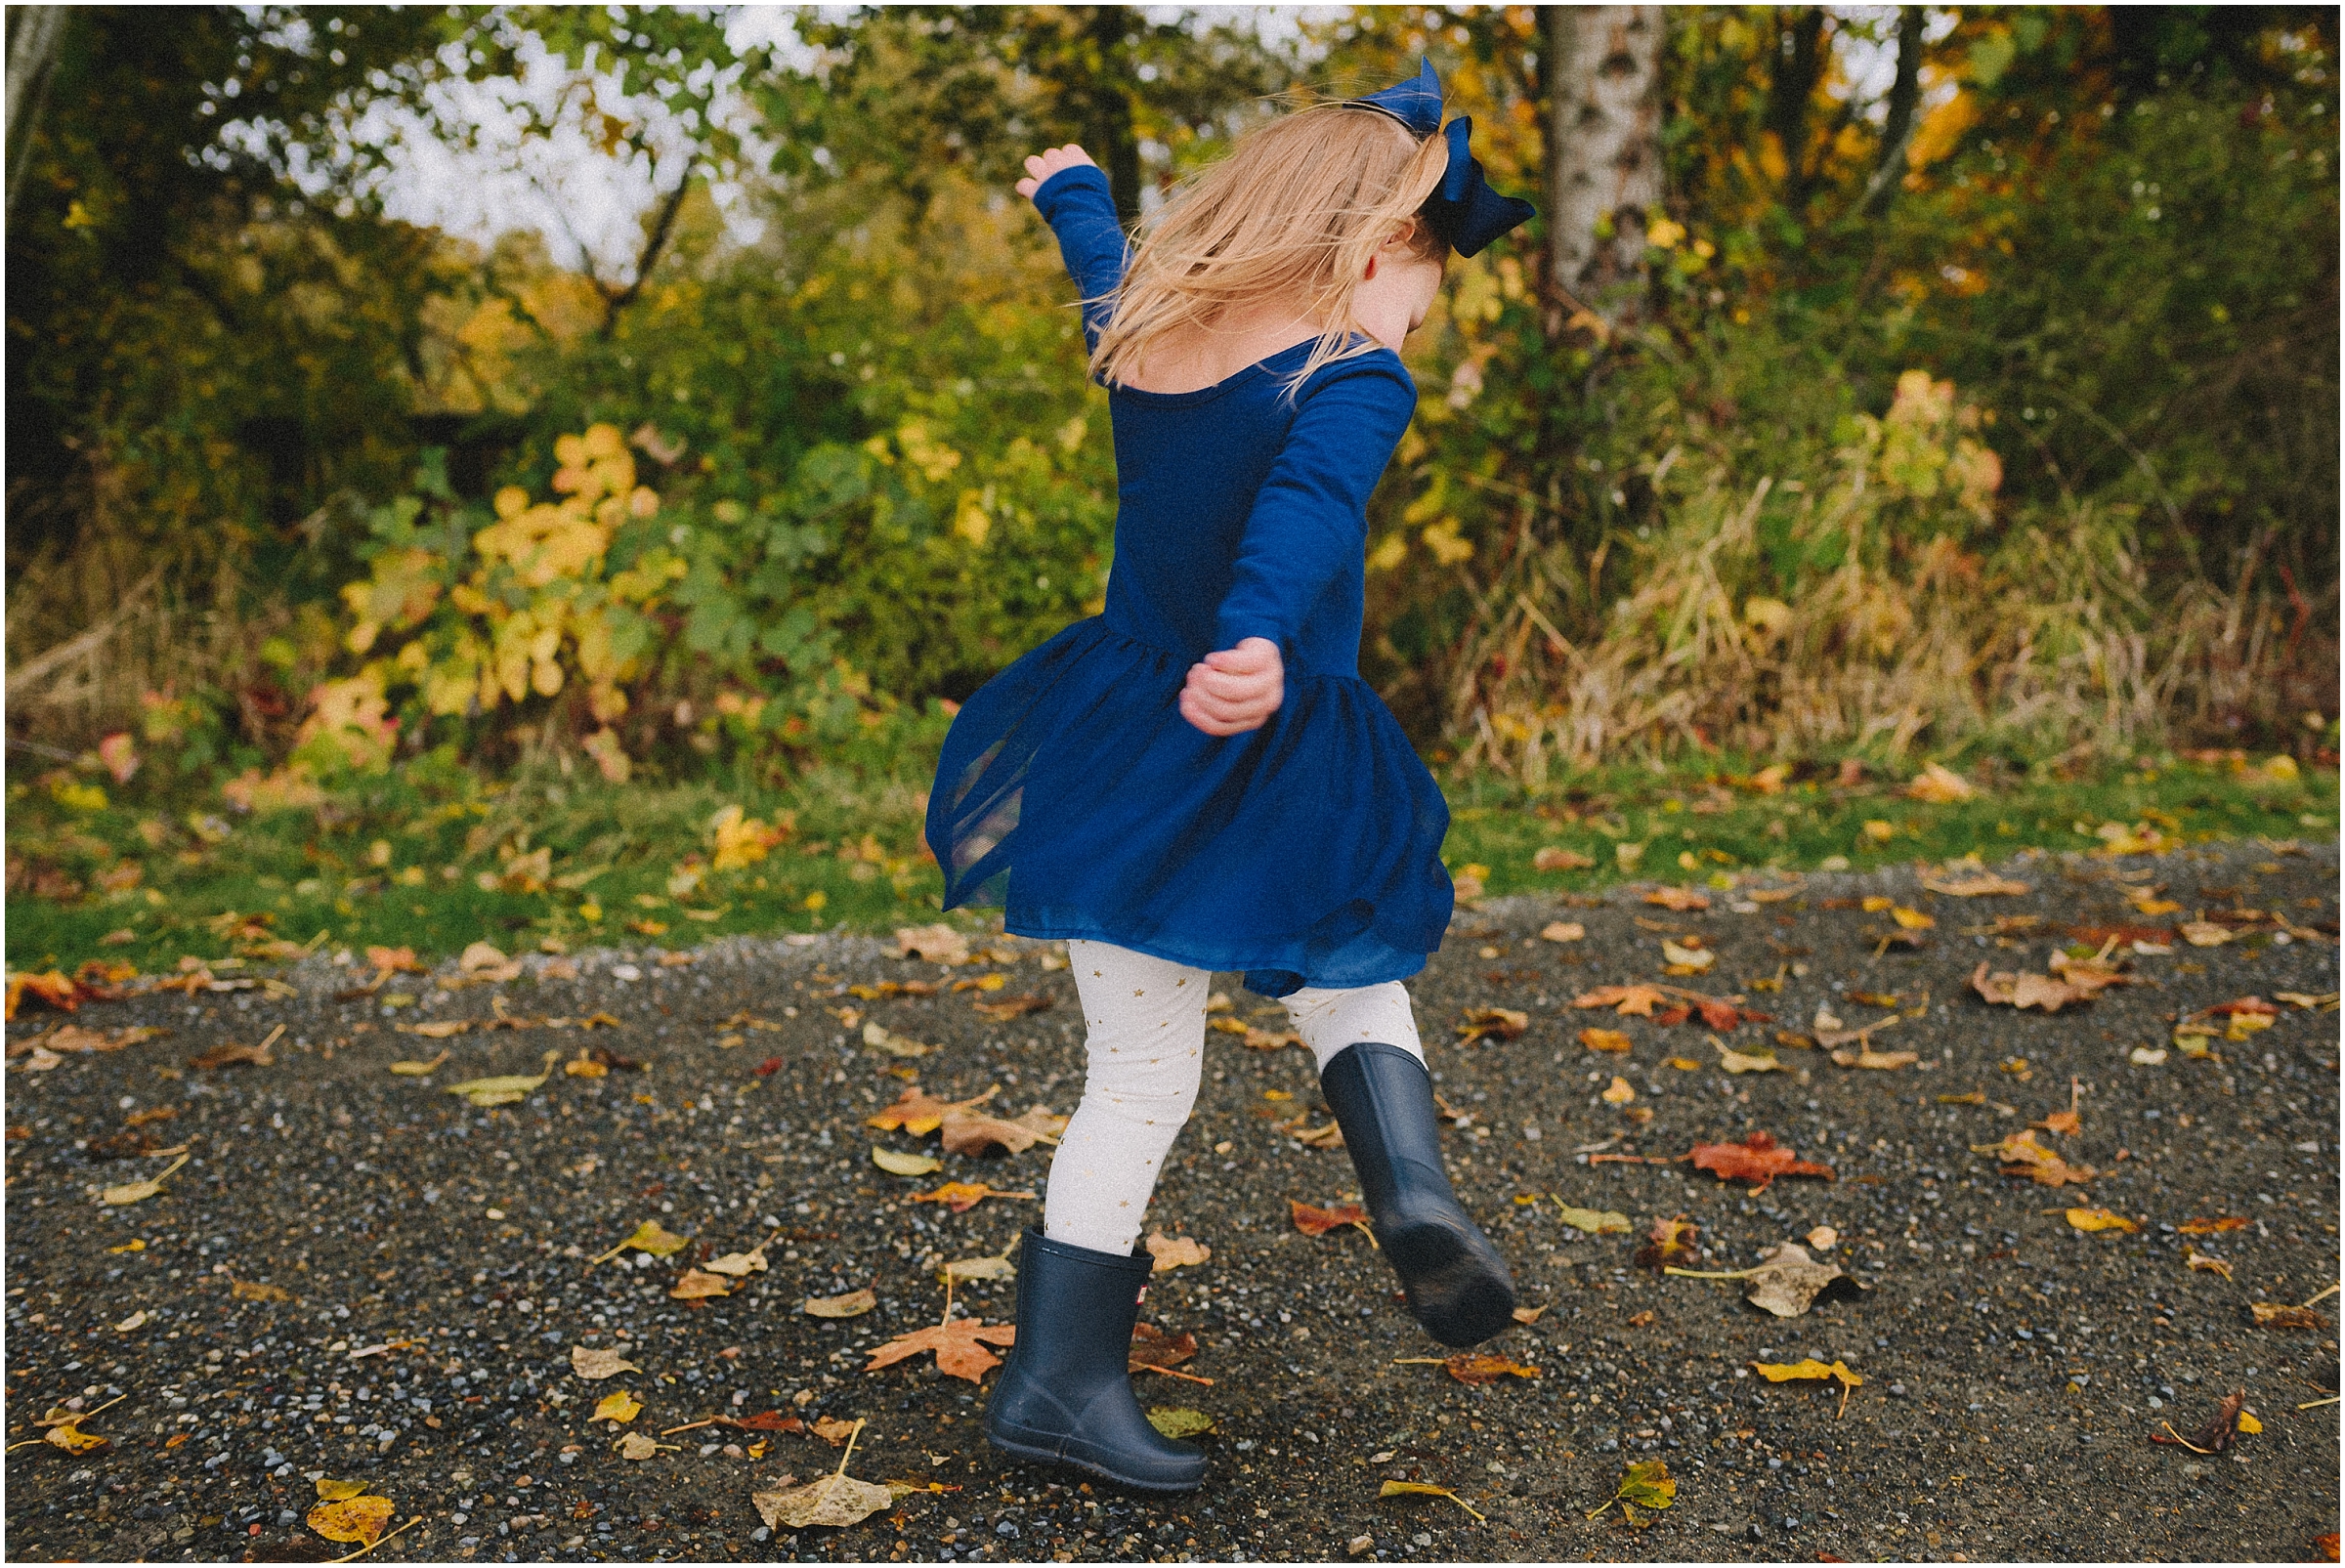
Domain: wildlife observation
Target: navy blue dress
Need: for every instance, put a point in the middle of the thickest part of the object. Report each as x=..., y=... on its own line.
x=1072, y=791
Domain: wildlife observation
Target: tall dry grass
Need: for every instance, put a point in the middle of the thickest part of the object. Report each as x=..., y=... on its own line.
x=1883, y=609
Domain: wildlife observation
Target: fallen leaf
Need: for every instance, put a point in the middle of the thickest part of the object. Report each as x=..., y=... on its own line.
x=1647, y=1484
x=958, y=1345
x=67, y=1433
x=618, y=1408
x=1010, y=1008
x=1683, y=1064
x=2272, y=1315
x=1475, y=1368
x=131, y=1192
x=1501, y=1023
x=991, y=1266
x=358, y=1518
x=2219, y=1432
x=2211, y=1227
x=834, y=1431
x=638, y=1446
x=1678, y=899
x=1315, y=1221
x=2101, y=1219
x=2205, y=934
x=1810, y=1367
x=698, y=1285
x=440, y=1029
x=220, y=1056
x=1687, y=960
x=1604, y=1039
x=2023, y=1155
x=1940, y=786
x=77, y=1038
x=1153, y=1346
x=258, y=1291
x=1866, y=1056
x=423, y=1069
x=1823, y=1237
x=2023, y=990
x=1788, y=1282
x=1528, y=1314
x=1424, y=1488
x=739, y=1265
x=936, y=943
x=504, y=1090
x=138, y=1320
x=1619, y=1093
x=1669, y=1241
x=1758, y=1160
x=1594, y=1221
x=852, y=1304
x=2328, y=1544
x=1723, y=1015
x=897, y=1045
x=1635, y=1000
x=917, y=1111
x=1555, y=858
x=1563, y=931
x=966, y=1132
x=1762, y=1060
x=963, y=1196
x=1912, y=920
x=649, y=1236
x=899, y=1162
x=1172, y=1252
x=331, y=1491
x=484, y=965
x=394, y=961
x=1177, y=1423
x=766, y=1420
x=54, y=987
x=2206, y=1263
x=596, y=1365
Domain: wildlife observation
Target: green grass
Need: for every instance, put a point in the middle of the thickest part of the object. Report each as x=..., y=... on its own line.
x=396, y=861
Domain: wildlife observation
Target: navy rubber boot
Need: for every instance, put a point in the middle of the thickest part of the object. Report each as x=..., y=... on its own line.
x=1065, y=1395
x=1455, y=1280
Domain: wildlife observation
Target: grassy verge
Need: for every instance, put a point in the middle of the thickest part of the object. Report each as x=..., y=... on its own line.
x=149, y=876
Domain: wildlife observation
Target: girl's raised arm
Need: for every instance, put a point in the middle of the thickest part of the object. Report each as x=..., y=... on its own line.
x=1071, y=193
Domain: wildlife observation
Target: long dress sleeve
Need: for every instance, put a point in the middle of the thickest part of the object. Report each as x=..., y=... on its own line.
x=1075, y=202
x=1309, y=521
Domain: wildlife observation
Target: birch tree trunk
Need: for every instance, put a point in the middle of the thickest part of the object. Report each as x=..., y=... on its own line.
x=1604, y=156
x=36, y=33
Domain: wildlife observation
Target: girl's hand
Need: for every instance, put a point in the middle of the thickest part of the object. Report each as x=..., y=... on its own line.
x=1048, y=163
x=1236, y=689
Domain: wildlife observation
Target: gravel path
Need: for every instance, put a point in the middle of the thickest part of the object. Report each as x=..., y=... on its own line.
x=2013, y=1367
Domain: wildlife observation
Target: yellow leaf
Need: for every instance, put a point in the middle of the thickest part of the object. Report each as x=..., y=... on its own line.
x=1683, y=1064
x=618, y=1407
x=1603, y=1039
x=853, y=1304
x=1595, y=1221
x=135, y=1191
x=2248, y=1423
x=1786, y=1371
x=2099, y=1220
x=70, y=1436
x=360, y=1519
x=897, y=1163
x=419, y=1069
x=1912, y=920
x=338, y=1491
x=1424, y=1488
x=1875, y=904
x=1619, y=1093
x=1175, y=1252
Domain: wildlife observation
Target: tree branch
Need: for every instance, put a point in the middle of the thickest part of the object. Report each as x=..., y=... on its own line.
x=653, y=245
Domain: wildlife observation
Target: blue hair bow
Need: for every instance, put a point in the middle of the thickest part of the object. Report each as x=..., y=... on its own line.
x=1462, y=209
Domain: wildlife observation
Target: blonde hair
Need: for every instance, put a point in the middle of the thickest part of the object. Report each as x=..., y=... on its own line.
x=1295, y=212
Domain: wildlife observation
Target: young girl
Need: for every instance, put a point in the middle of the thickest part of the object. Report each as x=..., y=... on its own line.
x=1198, y=780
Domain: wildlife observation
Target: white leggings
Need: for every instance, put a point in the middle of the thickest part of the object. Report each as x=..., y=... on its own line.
x=1146, y=1018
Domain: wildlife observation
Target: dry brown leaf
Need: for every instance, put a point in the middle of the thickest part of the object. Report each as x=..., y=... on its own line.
x=1686, y=960
x=1010, y=1008
x=2272, y=1315
x=1940, y=786
x=917, y=1111
x=2023, y=990
x=1555, y=858
x=958, y=1347
x=1669, y=1243
x=258, y=1291
x=1604, y=1039
x=640, y=1446
x=1500, y=1023
x=698, y=1283
x=1175, y=1252
x=2212, y=1227
x=1788, y=1282
x=1678, y=899
x=1866, y=1056
x=1563, y=931
x=853, y=1304
x=220, y=1056
x=739, y=1265
x=1312, y=1220
x=966, y=1132
x=1639, y=1000
x=2217, y=1434
x=2207, y=1264
x=1153, y=1346
x=1476, y=1367
x=1983, y=885
x=1758, y=1160
x=936, y=943
x=834, y=1431
x=963, y=1196
x=2204, y=933
x=596, y=1365
x=2023, y=1155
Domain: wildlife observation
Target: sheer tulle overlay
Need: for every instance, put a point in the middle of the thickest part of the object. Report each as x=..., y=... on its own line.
x=1073, y=792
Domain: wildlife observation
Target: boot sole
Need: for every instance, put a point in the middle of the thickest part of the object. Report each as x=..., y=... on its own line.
x=1456, y=1293
x=1041, y=1454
